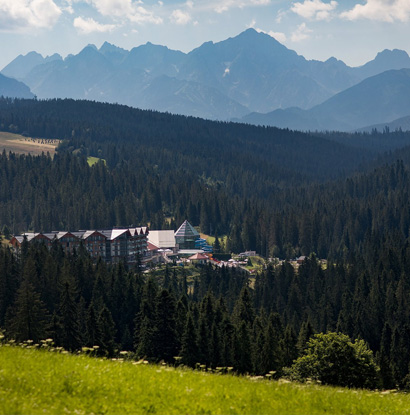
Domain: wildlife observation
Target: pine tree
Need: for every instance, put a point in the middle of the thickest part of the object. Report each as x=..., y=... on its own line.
x=165, y=340
x=243, y=311
x=272, y=356
x=290, y=352
x=243, y=350
x=189, y=346
x=30, y=318
x=106, y=322
x=93, y=336
x=68, y=312
x=305, y=333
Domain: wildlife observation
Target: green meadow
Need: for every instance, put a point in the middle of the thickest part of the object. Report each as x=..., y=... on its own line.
x=94, y=160
x=34, y=381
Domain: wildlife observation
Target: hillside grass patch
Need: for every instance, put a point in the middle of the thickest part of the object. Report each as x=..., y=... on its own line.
x=94, y=160
x=40, y=382
x=19, y=144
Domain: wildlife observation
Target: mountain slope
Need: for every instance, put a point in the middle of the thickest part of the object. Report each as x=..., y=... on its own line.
x=20, y=67
x=251, y=72
x=384, y=61
x=11, y=88
x=384, y=97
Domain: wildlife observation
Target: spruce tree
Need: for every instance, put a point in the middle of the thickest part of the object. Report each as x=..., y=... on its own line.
x=272, y=356
x=93, y=336
x=189, y=346
x=165, y=340
x=70, y=335
x=106, y=323
x=30, y=318
x=243, y=349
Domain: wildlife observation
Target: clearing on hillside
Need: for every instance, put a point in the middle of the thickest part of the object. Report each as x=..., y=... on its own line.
x=26, y=145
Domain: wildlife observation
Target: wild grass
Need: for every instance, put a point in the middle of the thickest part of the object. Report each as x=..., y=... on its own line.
x=94, y=160
x=36, y=381
x=19, y=144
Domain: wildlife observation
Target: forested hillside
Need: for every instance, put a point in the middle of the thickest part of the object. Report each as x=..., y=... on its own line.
x=279, y=192
x=216, y=320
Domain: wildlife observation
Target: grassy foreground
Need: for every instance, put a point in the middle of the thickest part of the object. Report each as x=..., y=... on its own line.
x=36, y=381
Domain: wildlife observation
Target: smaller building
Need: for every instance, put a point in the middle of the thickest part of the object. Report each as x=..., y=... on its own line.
x=198, y=258
x=301, y=260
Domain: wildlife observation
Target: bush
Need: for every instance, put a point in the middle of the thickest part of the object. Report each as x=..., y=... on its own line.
x=333, y=359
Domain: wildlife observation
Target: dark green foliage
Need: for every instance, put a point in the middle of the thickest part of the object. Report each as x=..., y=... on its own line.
x=70, y=335
x=93, y=335
x=189, y=346
x=29, y=318
x=268, y=190
x=334, y=360
x=165, y=340
x=106, y=323
x=224, y=332
x=243, y=349
x=272, y=356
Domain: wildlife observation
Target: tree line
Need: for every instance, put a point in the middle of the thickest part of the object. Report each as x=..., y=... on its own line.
x=334, y=219
x=221, y=318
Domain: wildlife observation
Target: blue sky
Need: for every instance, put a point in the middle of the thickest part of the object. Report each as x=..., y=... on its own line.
x=353, y=31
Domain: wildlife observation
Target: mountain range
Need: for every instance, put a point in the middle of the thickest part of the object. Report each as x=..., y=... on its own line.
x=384, y=97
x=248, y=78
x=10, y=87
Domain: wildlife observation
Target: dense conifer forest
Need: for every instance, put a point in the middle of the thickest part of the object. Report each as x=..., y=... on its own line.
x=343, y=197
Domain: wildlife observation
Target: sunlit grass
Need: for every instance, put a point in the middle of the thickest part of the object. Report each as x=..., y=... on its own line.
x=94, y=160
x=38, y=381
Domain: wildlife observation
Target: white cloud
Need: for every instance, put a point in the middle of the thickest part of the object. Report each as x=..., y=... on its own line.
x=125, y=9
x=225, y=5
x=380, y=10
x=314, y=9
x=280, y=15
x=142, y=15
x=180, y=17
x=279, y=36
x=301, y=33
x=18, y=15
x=87, y=26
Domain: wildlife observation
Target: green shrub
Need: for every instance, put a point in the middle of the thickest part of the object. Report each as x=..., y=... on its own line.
x=333, y=359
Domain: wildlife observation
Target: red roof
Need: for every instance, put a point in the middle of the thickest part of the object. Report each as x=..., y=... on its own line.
x=197, y=257
x=152, y=247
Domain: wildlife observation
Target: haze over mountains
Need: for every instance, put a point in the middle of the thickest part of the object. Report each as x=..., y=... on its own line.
x=251, y=78
x=12, y=88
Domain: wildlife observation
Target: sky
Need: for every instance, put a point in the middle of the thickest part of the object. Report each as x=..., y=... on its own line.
x=351, y=30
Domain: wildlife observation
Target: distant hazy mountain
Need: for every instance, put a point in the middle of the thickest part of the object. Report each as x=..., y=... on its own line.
x=14, y=89
x=251, y=72
x=384, y=61
x=384, y=97
x=20, y=67
x=402, y=123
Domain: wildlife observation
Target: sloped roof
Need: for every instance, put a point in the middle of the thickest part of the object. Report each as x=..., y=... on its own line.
x=152, y=247
x=162, y=239
x=186, y=230
x=197, y=257
x=63, y=234
x=89, y=233
x=115, y=233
